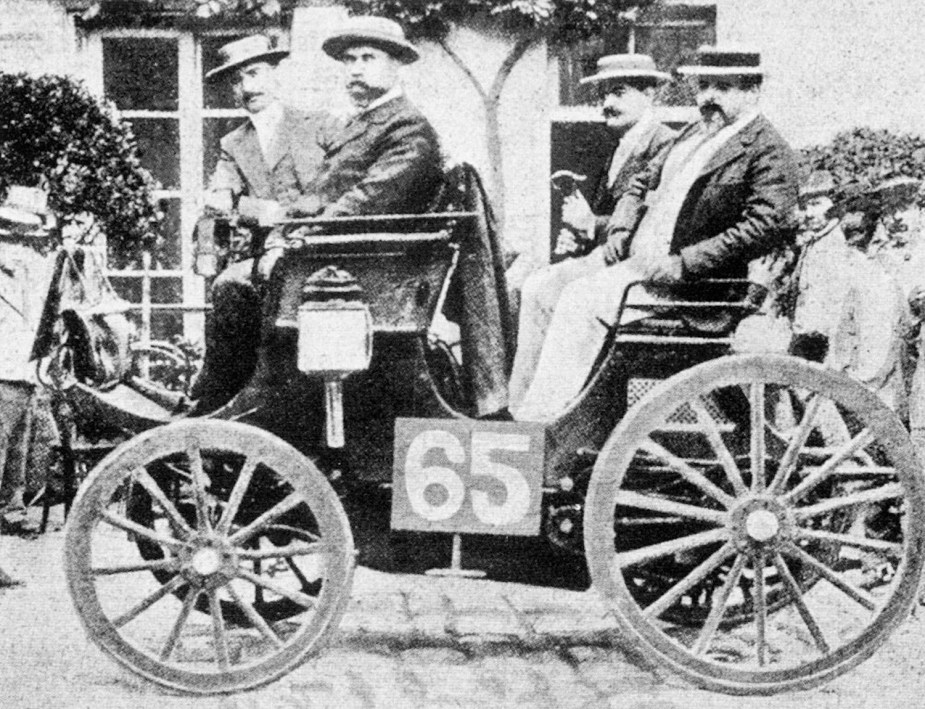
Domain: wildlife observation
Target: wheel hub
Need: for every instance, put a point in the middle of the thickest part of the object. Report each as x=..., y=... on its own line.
x=207, y=561
x=761, y=525
x=760, y=521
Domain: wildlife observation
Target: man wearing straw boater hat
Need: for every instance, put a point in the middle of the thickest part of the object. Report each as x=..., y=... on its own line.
x=384, y=160
x=722, y=195
x=626, y=86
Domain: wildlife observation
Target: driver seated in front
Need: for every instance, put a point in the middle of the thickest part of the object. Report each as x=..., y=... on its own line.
x=385, y=159
x=722, y=195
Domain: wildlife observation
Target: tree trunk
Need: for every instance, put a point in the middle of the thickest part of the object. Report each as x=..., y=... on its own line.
x=491, y=104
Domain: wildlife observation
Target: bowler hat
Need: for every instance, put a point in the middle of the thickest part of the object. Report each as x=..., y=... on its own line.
x=725, y=61
x=615, y=67
x=375, y=31
x=819, y=183
x=255, y=48
x=895, y=193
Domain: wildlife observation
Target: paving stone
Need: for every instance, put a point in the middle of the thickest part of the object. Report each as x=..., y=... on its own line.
x=376, y=613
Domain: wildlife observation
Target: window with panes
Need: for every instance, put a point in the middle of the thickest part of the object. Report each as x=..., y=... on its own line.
x=156, y=79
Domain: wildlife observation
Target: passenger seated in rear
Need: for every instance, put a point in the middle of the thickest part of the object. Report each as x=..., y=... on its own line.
x=722, y=195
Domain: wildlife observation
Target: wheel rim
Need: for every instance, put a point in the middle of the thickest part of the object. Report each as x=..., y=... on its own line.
x=832, y=504
x=228, y=596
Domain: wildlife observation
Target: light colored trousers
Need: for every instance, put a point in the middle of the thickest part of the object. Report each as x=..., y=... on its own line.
x=539, y=296
x=557, y=366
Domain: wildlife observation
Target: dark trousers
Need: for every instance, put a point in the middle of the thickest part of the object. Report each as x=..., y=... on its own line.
x=232, y=336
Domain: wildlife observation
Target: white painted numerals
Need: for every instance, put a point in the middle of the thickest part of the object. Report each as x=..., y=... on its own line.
x=438, y=505
x=418, y=477
x=517, y=491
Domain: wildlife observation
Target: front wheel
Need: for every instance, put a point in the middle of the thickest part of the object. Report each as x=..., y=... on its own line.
x=208, y=556
x=782, y=509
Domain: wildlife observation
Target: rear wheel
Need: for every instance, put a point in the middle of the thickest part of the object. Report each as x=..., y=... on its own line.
x=779, y=505
x=208, y=556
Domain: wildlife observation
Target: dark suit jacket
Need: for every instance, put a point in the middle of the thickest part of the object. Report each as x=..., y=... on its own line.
x=384, y=161
x=284, y=175
x=739, y=208
x=651, y=145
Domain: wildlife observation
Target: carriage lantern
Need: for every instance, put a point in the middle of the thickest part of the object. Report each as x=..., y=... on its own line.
x=335, y=338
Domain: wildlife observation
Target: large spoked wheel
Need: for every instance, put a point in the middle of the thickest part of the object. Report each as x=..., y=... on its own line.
x=208, y=556
x=793, y=502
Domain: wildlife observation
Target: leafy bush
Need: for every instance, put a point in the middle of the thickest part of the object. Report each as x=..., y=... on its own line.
x=862, y=158
x=563, y=20
x=54, y=134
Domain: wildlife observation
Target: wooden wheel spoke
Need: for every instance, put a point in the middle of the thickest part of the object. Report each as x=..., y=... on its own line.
x=174, y=584
x=200, y=480
x=219, y=635
x=637, y=500
x=188, y=602
x=864, y=438
x=169, y=564
x=261, y=582
x=878, y=494
x=155, y=491
x=673, y=546
x=797, y=597
x=255, y=618
x=756, y=398
x=698, y=574
x=850, y=540
x=761, y=607
x=718, y=609
x=715, y=437
x=853, y=592
x=127, y=525
x=694, y=477
x=291, y=501
x=283, y=552
x=237, y=495
x=791, y=455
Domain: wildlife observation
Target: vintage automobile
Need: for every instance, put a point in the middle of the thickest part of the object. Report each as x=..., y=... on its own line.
x=754, y=521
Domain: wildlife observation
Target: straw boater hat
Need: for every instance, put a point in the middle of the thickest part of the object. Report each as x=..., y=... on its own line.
x=819, y=184
x=24, y=211
x=255, y=48
x=725, y=61
x=615, y=67
x=374, y=31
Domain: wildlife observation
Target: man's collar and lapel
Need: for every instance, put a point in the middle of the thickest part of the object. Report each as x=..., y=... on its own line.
x=244, y=146
x=359, y=124
x=732, y=148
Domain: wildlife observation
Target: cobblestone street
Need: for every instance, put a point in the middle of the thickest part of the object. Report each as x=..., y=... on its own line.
x=406, y=641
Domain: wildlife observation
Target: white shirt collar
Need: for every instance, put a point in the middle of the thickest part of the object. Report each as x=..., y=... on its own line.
x=266, y=123
x=395, y=92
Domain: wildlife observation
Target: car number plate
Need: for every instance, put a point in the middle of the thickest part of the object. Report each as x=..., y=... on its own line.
x=464, y=475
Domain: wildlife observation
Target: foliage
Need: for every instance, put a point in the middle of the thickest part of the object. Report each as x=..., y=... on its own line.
x=560, y=20
x=200, y=9
x=237, y=8
x=862, y=158
x=54, y=134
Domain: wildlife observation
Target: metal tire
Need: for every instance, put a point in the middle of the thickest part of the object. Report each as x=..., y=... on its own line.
x=761, y=522
x=111, y=583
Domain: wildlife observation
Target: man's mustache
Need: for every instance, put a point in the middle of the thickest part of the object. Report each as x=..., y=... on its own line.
x=356, y=83
x=611, y=113
x=710, y=107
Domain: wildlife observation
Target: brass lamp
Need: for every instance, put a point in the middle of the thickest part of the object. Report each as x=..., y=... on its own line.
x=335, y=338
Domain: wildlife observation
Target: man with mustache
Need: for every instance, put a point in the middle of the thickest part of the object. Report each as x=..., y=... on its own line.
x=627, y=84
x=384, y=160
x=722, y=195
